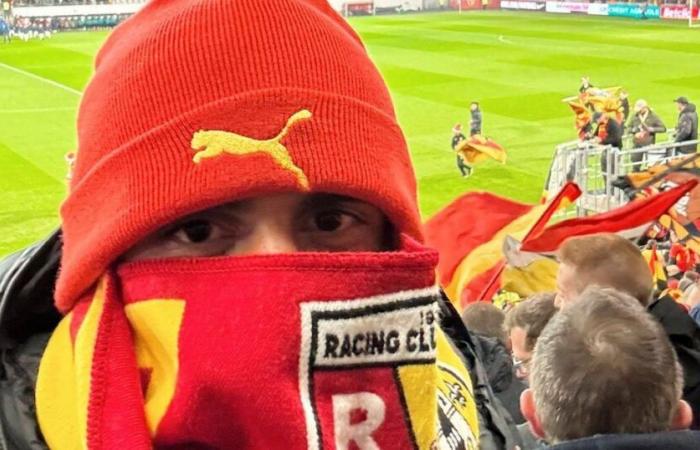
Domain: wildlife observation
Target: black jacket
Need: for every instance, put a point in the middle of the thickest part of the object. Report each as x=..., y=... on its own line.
x=614, y=134
x=475, y=123
x=684, y=335
x=499, y=368
x=28, y=317
x=456, y=139
x=625, y=105
x=671, y=440
x=687, y=128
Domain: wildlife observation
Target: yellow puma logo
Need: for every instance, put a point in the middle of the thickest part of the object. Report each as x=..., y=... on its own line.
x=212, y=143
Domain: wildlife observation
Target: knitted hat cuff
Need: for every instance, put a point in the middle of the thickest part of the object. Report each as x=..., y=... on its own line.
x=346, y=147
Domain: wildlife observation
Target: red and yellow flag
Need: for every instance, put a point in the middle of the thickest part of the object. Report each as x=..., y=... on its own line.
x=636, y=214
x=479, y=148
x=469, y=235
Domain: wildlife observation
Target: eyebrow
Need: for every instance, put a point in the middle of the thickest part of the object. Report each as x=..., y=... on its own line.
x=324, y=199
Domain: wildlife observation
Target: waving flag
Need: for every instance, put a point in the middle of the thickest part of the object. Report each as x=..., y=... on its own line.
x=583, y=114
x=478, y=148
x=470, y=232
x=634, y=215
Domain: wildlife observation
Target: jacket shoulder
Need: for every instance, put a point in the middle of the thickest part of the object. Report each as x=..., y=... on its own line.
x=27, y=280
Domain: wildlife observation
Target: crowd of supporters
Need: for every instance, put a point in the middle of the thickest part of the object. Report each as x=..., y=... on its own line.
x=608, y=361
x=26, y=28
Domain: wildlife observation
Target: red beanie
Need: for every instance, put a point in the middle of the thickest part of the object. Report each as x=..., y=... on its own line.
x=270, y=96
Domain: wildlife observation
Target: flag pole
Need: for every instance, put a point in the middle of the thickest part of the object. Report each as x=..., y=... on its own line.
x=537, y=227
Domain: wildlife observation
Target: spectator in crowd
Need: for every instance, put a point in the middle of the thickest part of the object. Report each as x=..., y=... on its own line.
x=625, y=105
x=644, y=126
x=485, y=321
x=457, y=137
x=684, y=257
x=476, y=119
x=523, y=325
x=604, y=376
x=606, y=131
x=585, y=84
x=212, y=225
x=610, y=261
x=687, y=128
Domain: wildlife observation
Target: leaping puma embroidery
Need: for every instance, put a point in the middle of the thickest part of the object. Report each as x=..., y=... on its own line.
x=212, y=143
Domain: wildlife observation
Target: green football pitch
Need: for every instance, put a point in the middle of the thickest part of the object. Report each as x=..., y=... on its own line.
x=517, y=65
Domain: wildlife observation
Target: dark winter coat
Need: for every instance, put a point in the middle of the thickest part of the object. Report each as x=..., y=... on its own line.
x=671, y=440
x=475, y=124
x=625, y=105
x=652, y=124
x=456, y=139
x=28, y=317
x=684, y=335
x=613, y=132
x=687, y=128
x=499, y=369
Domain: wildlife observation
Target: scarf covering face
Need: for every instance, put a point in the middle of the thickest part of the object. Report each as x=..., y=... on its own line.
x=301, y=351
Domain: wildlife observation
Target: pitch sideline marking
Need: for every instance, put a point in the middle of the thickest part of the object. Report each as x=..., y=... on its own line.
x=38, y=78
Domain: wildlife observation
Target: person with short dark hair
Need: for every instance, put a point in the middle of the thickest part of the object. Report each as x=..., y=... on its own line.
x=523, y=325
x=625, y=106
x=485, y=321
x=230, y=277
x=457, y=138
x=606, y=131
x=604, y=376
x=687, y=128
x=611, y=261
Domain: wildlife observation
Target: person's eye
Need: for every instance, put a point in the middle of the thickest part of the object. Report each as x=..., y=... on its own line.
x=333, y=221
x=195, y=231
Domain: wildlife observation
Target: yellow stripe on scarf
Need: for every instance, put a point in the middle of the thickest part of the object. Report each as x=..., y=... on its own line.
x=63, y=382
x=156, y=325
x=444, y=386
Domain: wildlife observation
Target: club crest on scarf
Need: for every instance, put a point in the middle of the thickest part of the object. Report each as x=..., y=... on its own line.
x=370, y=376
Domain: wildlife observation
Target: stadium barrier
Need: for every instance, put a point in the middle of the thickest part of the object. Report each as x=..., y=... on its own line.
x=523, y=5
x=678, y=12
x=632, y=10
x=581, y=162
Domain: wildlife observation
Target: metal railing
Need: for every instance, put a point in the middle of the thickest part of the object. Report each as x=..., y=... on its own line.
x=594, y=167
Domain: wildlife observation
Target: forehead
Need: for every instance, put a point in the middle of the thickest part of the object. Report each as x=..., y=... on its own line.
x=518, y=337
x=565, y=275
